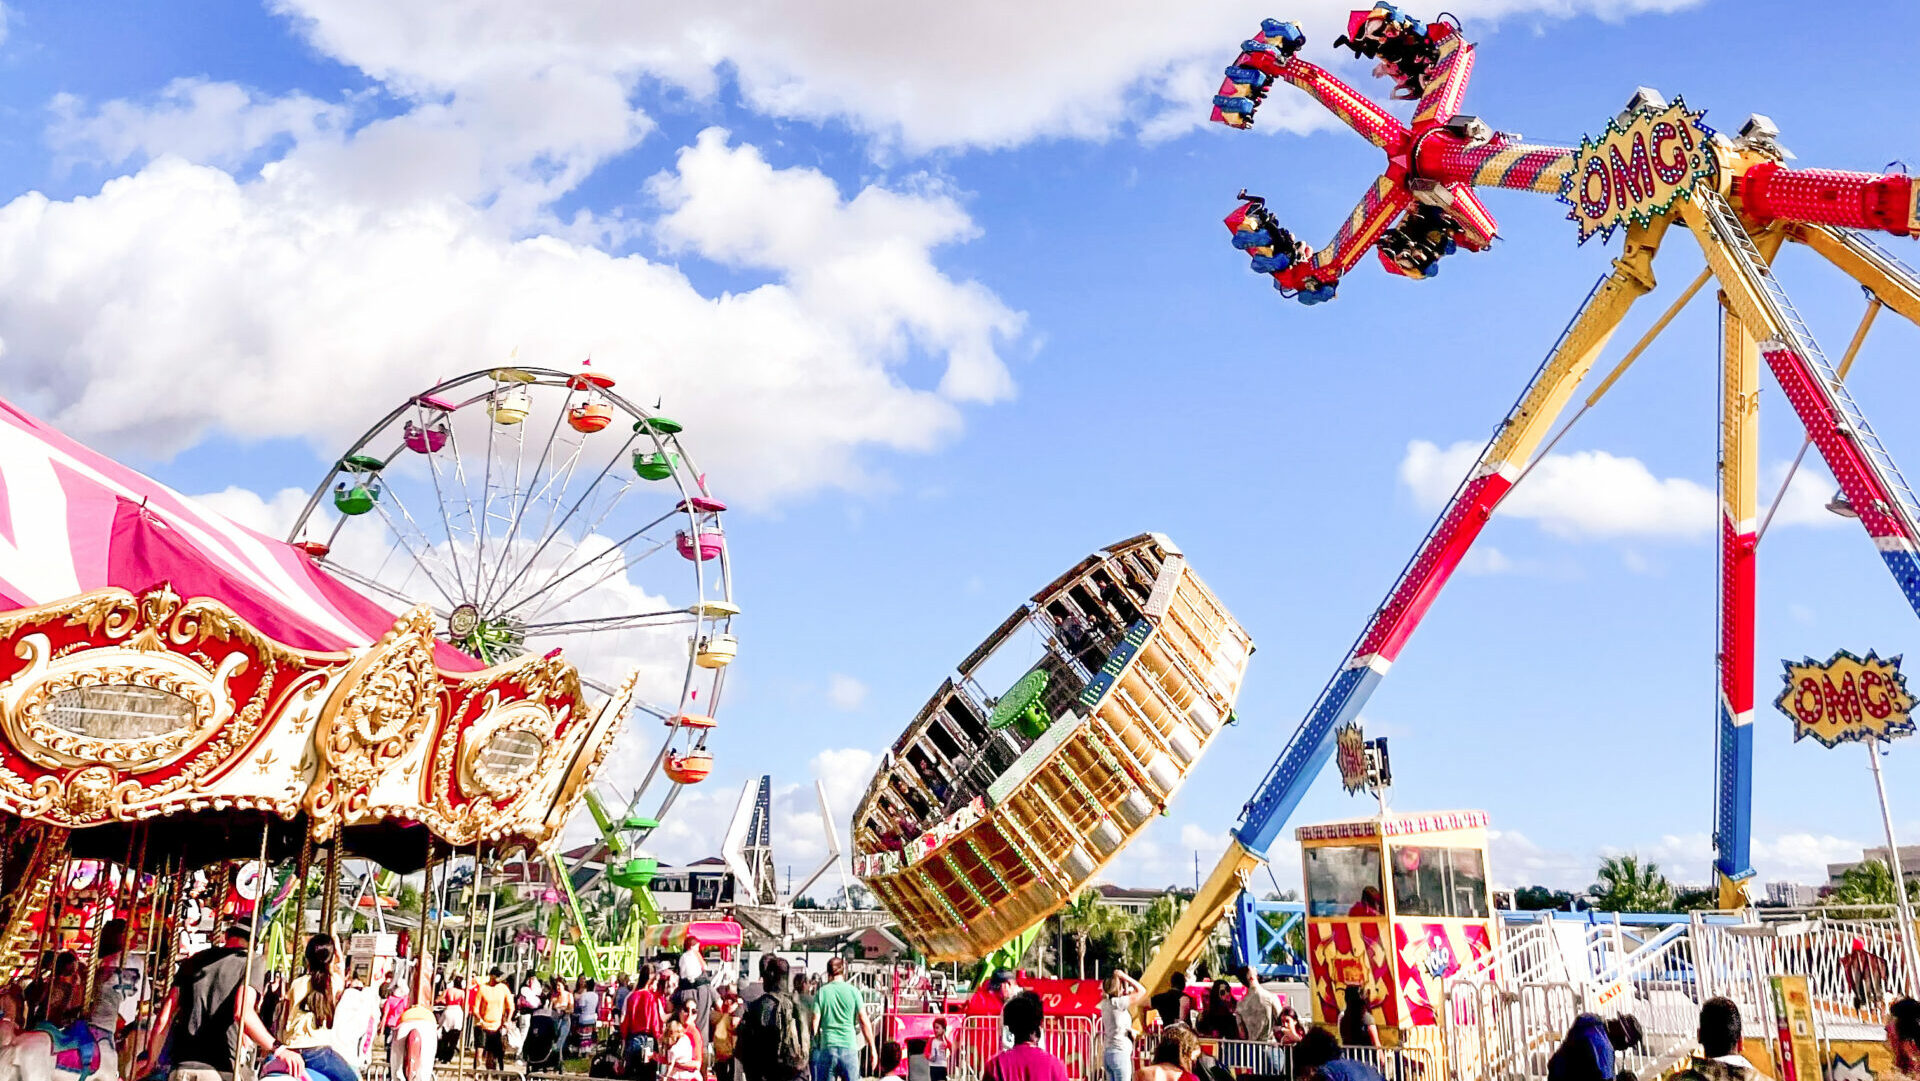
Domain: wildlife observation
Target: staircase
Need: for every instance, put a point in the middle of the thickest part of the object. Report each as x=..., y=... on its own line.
x=26, y=910
x=1795, y=335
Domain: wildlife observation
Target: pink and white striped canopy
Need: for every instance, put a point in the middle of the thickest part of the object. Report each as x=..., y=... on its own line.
x=73, y=520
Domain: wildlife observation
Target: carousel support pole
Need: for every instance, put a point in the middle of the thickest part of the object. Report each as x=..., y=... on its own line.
x=135, y=889
x=422, y=978
x=330, y=903
x=253, y=936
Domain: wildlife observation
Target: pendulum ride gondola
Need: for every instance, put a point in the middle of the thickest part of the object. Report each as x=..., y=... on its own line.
x=994, y=809
x=1653, y=167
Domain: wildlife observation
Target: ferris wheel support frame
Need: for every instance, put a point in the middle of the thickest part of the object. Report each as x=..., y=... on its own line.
x=448, y=397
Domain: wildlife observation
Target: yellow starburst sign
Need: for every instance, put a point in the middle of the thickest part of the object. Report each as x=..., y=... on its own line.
x=1635, y=168
x=1847, y=699
x=1350, y=751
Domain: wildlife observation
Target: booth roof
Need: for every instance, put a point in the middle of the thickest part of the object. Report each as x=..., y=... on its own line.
x=1393, y=825
x=73, y=520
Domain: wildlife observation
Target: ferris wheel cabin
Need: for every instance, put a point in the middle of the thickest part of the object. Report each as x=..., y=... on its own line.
x=1395, y=904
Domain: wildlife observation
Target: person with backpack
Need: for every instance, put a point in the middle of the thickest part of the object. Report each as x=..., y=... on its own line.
x=772, y=1043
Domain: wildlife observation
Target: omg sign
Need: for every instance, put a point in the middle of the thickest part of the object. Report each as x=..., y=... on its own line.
x=1847, y=698
x=1634, y=172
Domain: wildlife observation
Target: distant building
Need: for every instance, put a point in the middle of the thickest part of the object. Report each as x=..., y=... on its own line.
x=1129, y=900
x=1909, y=863
x=1792, y=894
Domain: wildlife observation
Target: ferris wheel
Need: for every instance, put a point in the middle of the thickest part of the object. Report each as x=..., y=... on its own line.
x=534, y=510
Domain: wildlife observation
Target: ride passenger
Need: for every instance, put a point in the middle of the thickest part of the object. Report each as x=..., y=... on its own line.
x=211, y=1009
x=314, y=996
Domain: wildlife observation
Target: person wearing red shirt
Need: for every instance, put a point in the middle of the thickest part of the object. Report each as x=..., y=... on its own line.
x=643, y=1022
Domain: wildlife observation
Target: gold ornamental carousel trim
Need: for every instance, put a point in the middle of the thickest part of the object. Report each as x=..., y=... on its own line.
x=485, y=815
x=154, y=641
x=379, y=709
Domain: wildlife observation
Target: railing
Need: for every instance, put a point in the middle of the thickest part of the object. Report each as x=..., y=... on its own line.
x=1847, y=982
x=1530, y=954
x=1272, y=1059
x=1073, y=1040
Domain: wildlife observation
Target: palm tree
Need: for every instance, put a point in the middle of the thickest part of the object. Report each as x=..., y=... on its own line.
x=1625, y=885
x=1083, y=917
x=1869, y=883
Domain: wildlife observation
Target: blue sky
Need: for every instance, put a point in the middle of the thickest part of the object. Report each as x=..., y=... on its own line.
x=945, y=300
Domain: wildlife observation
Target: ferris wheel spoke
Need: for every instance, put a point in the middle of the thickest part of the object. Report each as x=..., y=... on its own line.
x=558, y=530
x=419, y=556
x=617, y=546
x=440, y=499
x=531, y=492
x=465, y=486
x=608, y=575
x=634, y=702
x=662, y=618
x=382, y=588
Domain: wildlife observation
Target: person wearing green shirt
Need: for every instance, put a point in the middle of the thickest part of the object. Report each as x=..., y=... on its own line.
x=840, y=1027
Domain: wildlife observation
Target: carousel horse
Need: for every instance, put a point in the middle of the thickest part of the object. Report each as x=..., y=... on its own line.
x=47, y=1052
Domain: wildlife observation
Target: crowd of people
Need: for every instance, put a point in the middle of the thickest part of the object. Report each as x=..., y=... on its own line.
x=696, y=1021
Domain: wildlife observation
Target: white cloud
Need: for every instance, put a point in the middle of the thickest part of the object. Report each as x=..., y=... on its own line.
x=1803, y=857
x=179, y=300
x=1486, y=560
x=970, y=73
x=1805, y=501
x=1516, y=861
x=273, y=515
x=845, y=692
x=3, y=24
x=195, y=118
x=1587, y=493
x=1594, y=494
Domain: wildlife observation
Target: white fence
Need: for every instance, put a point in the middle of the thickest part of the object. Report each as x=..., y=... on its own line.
x=1502, y=1025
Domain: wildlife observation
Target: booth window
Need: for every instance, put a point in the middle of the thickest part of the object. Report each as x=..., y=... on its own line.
x=1439, y=882
x=1344, y=882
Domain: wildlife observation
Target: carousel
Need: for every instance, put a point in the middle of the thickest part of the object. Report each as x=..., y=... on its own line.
x=198, y=722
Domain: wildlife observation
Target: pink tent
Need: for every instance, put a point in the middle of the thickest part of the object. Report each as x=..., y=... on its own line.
x=73, y=520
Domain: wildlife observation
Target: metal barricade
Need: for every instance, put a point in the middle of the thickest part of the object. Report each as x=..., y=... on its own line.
x=1251, y=1056
x=1073, y=1040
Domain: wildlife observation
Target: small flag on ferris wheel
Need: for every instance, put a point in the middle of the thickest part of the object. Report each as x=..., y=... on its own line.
x=1847, y=699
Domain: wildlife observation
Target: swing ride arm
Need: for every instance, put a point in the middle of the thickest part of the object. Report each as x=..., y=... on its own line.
x=1505, y=458
x=1856, y=255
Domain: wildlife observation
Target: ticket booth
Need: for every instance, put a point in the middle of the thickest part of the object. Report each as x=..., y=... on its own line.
x=1396, y=903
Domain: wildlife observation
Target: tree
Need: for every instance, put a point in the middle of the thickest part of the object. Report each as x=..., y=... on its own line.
x=1869, y=883
x=1626, y=885
x=1083, y=917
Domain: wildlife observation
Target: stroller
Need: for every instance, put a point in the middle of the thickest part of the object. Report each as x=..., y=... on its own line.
x=542, y=1048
